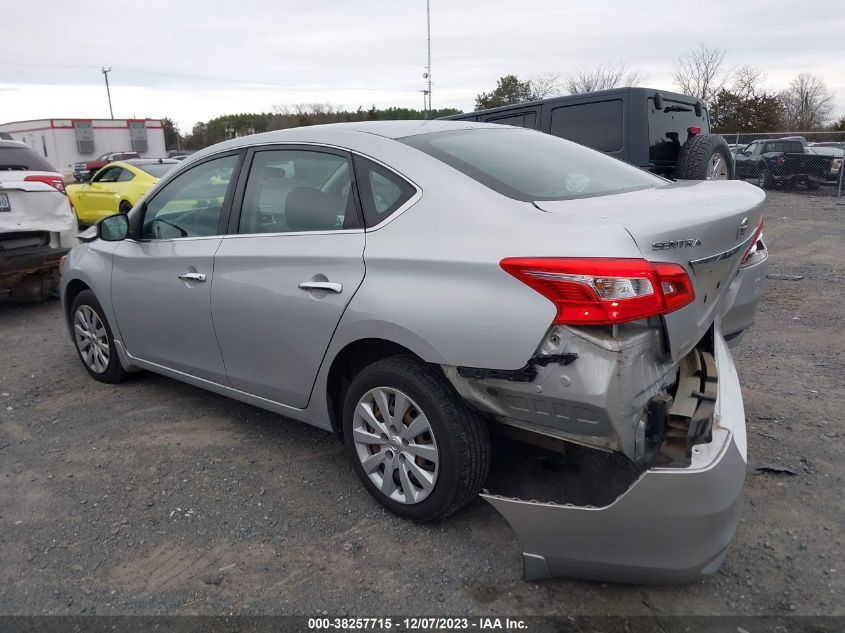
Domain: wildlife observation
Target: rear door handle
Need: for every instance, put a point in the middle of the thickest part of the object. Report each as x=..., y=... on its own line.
x=321, y=285
x=192, y=277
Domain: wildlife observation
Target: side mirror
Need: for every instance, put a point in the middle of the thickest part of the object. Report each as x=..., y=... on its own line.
x=113, y=228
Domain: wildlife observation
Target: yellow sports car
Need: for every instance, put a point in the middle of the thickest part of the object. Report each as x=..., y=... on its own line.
x=116, y=187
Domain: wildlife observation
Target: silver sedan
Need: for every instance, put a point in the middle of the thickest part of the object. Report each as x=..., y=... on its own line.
x=414, y=286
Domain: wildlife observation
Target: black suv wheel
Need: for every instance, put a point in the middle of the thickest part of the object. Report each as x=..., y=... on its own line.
x=705, y=157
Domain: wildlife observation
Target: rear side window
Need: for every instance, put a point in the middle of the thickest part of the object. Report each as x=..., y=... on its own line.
x=528, y=165
x=784, y=146
x=22, y=159
x=297, y=190
x=382, y=191
x=597, y=125
x=520, y=119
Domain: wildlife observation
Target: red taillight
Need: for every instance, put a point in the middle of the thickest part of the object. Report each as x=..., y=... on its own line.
x=53, y=181
x=693, y=130
x=600, y=291
x=752, y=248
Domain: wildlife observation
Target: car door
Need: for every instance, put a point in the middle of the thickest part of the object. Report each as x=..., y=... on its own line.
x=100, y=194
x=162, y=278
x=286, y=271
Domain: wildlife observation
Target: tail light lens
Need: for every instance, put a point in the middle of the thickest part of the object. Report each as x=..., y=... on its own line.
x=599, y=291
x=54, y=181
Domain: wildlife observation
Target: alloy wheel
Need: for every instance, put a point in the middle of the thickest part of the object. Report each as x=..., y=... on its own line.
x=91, y=339
x=395, y=444
x=717, y=168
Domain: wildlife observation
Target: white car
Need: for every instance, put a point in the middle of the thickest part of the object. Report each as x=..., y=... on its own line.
x=37, y=223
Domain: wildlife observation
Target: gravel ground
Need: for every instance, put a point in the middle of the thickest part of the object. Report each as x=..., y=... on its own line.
x=156, y=497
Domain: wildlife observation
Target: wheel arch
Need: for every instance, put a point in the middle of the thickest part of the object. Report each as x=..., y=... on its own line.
x=351, y=359
x=73, y=288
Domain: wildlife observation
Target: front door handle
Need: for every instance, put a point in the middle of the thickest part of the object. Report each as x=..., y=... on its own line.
x=192, y=277
x=321, y=285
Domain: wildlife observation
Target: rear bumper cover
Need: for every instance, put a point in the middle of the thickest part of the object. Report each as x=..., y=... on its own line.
x=745, y=291
x=672, y=524
x=20, y=265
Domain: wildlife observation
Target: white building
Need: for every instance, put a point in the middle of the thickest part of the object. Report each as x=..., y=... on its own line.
x=64, y=142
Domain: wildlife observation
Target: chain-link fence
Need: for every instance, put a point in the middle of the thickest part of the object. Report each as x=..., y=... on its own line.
x=791, y=161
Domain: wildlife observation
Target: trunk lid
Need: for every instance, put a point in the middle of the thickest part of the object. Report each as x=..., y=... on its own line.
x=33, y=205
x=703, y=226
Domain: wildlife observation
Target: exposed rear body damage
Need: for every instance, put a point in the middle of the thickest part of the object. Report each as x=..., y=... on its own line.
x=673, y=524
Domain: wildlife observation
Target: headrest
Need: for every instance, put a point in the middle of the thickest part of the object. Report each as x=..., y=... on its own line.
x=308, y=209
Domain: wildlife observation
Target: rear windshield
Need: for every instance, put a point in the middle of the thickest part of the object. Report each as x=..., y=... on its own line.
x=528, y=165
x=157, y=170
x=669, y=128
x=22, y=159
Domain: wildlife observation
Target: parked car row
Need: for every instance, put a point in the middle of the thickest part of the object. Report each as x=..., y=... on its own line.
x=788, y=162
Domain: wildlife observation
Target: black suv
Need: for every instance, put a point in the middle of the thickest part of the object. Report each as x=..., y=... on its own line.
x=664, y=132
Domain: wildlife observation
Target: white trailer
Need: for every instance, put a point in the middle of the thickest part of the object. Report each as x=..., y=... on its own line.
x=64, y=142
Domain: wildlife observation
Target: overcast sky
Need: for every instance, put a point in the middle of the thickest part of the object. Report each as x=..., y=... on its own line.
x=193, y=60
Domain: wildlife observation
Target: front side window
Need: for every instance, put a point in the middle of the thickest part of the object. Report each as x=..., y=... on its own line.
x=528, y=165
x=110, y=174
x=382, y=191
x=190, y=204
x=292, y=190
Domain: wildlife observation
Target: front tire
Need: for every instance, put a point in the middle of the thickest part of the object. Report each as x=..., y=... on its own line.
x=766, y=180
x=414, y=443
x=94, y=340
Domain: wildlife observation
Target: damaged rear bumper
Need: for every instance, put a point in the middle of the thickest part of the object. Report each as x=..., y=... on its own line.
x=671, y=525
x=30, y=273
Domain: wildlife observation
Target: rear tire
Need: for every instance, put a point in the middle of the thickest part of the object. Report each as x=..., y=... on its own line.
x=391, y=454
x=705, y=157
x=125, y=207
x=94, y=340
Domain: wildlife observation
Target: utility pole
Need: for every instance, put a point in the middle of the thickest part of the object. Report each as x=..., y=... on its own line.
x=106, y=72
x=428, y=67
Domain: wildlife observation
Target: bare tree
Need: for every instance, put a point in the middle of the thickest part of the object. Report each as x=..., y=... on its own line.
x=807, y=102
x=603, y=77
x=747, y=82
x=545, y=85
x=700, y=72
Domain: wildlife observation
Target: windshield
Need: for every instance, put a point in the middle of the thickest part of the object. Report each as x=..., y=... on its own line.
x=157, y=170
x=528, y=165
